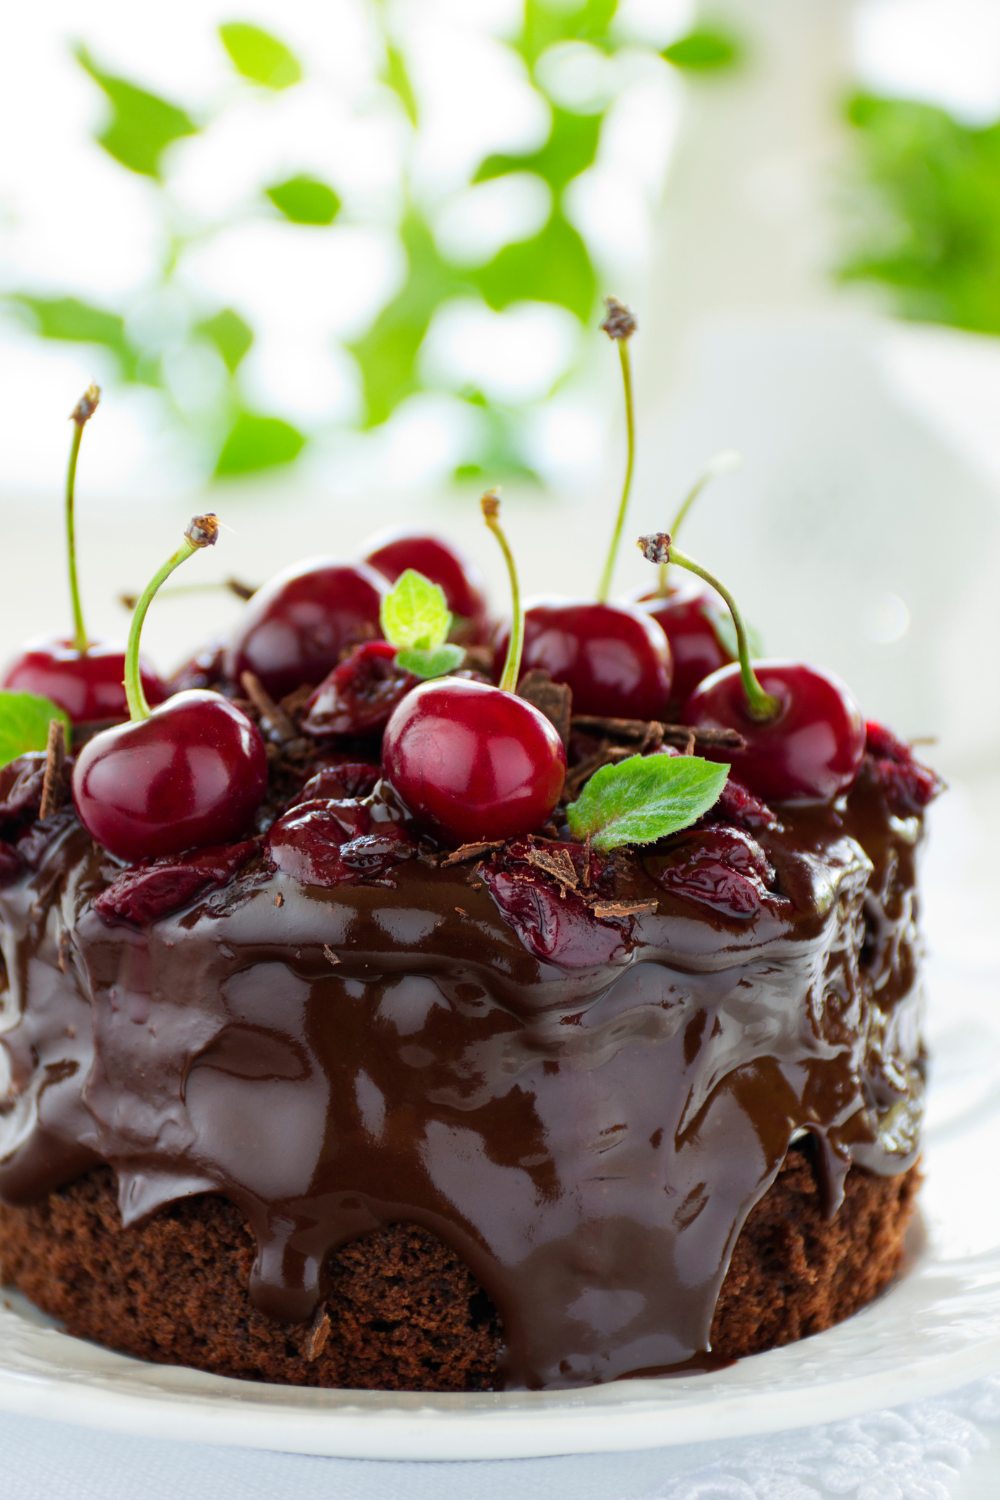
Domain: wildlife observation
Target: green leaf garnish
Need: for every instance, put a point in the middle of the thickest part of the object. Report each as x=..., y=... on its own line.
x=415, y=613
x=645, y=798
x=436, y=663
x=260, y=56
x=416, y=619
x=724, y=630
x=24, y=724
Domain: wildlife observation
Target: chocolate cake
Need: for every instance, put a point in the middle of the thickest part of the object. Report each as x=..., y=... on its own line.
x=335, y=1105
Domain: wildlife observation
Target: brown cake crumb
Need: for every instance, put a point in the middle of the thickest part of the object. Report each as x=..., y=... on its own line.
x=402, y=1312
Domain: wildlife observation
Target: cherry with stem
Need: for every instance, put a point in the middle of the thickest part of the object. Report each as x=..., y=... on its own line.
x=470, y=760
x=803, y=734
x=82, y=675
x=184, y=775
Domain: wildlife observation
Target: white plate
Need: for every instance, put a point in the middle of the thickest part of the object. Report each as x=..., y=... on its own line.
x=938, y=1327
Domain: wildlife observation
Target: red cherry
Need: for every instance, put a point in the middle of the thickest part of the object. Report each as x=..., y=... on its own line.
x=684, y=614
x=89, y=687
x=192, y=774
x=810, y=751
x=295, y=628
x=437, y=560
x=473, y=761
x=614, y=657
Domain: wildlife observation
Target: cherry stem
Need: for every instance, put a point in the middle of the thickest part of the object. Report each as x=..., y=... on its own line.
x=619, y=325
x=79, y=416
x=658, y=548
x=202, y=532
x=512, y=665
x=722, y=463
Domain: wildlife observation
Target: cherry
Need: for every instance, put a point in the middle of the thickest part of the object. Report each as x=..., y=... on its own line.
x=296, y=627
x=188, y=774
x=614, y=657
x=84, y=677
x=472, y=760
x=444, y=565
x=803, y=733
x=88, y=686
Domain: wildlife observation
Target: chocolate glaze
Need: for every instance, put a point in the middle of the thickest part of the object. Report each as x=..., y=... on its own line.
x=589, y=1138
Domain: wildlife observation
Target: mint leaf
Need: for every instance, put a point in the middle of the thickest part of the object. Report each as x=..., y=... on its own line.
x=644, y=798
x=436, y=663
x=415, y=613
x=24, y=723
x=259, y=56
x=724, y=630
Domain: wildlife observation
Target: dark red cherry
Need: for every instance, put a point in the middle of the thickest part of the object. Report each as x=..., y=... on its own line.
x=472, y=761
x=614, y=657
x=810, y=751
x=685, y=616
x=192, y=774
x=296, y=627
x=88, y=686
x=439, y=561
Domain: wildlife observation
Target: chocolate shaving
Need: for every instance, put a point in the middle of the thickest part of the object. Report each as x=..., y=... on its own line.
x=329, y=955
x=554, y=862
x=470, y=851
x=671, y=734
x=622, y=908
x=319, y=1336
x=54, y=784
x=276, y=718
x=279, y=899
x=553, y=699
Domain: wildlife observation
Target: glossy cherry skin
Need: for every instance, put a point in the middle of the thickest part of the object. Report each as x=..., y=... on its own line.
x=810, y=752
x=684, y=617
x=295, y=628
x=89, y=687
x=473, y=762
x=192, y=774
x=394, y=552
x=614, y=657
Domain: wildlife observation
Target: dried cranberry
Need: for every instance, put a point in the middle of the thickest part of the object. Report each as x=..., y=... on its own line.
x=908, y=786
x=332, y=842
x=146, y=893
x=359, y=694
x=553, y=921
x=339, y=780
x=722, y=868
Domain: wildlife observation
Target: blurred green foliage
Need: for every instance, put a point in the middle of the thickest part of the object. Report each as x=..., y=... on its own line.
x=929, y=226
x=553, y=265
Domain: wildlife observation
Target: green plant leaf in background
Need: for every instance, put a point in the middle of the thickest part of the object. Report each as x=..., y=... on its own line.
x=229, y=334
x=705, y=49
x=24, y=724
x=928, y=225
x=545, y=24
x=142, y=125
x=71, y=320
x=397, y=76
x=304, y=200
x=569, y=149
x=554, y=265
x=256, y=441
x=259, y=56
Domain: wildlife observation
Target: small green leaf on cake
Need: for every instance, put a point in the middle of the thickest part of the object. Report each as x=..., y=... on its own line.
x=431, y=663
x=24, y=724
x=645, y=798
x=416, y=619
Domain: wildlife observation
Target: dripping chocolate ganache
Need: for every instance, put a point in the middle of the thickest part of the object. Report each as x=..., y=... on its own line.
x=577, y=1079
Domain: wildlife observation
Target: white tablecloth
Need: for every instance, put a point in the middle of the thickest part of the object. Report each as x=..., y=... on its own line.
x=916, y=1452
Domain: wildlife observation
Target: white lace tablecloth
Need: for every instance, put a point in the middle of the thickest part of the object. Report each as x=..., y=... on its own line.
x=918, y=1452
